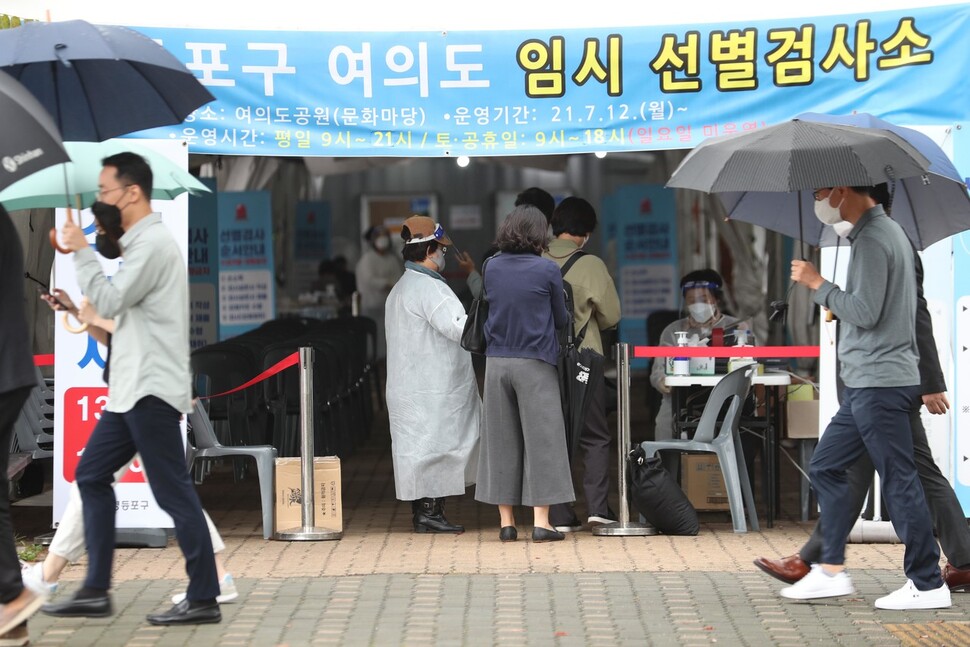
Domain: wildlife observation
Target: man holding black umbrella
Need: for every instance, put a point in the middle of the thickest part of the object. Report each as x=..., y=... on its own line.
x=16, y=380
x=878, y=355
x=149, y=388
x=596, y=307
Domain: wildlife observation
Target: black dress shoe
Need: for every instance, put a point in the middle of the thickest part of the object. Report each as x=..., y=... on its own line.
x=508, y=533
x=544, y=534
x=184, y=613
x=99, y=607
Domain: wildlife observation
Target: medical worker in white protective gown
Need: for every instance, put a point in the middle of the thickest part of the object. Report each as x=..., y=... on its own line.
x=432, y=395
x=377, y=271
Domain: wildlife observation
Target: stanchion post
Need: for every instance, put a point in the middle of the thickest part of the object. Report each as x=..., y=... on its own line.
x=308, y=531
x=624, y=527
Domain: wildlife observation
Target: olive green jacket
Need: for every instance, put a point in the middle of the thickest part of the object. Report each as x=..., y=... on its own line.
x=594, y=293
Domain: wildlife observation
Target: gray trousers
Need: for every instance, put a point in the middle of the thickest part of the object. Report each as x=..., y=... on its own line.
x=522, y=458
x=945, y=509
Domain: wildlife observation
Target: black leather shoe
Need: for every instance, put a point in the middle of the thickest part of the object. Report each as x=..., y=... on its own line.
x=184, y=614
x=508, y=533
x=99, y=607
x=544, y=534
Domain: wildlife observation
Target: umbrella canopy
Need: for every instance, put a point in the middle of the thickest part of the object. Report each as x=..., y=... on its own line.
x=929, y=207
x=47, y=188
x=797, y=155
x=100, y=82
x=30, y=140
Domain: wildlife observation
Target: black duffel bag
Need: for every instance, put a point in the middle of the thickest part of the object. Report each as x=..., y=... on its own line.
x=655, y=493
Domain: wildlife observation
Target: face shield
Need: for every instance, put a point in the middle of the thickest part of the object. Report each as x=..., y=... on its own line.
x=699, y=301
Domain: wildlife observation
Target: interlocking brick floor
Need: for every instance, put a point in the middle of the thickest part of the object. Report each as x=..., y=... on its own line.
x=381, y=584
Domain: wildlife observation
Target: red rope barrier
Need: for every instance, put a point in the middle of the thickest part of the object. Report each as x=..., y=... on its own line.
x=283, y=364
x=725, y=351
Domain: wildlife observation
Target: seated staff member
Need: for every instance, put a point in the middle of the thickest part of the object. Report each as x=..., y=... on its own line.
x=702, y=292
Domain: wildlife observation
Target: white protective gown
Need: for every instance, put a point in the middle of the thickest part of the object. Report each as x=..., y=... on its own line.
x=375, y=273
x=432, y=395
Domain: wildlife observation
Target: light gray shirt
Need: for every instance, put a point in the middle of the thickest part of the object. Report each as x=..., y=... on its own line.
x=148, y=300
x=877, y=309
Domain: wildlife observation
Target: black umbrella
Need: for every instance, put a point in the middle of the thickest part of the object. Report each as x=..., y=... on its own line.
x=30, y=140
x=100, y=82
x=579, y=372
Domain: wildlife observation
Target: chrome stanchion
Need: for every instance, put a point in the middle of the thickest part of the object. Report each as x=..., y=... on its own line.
x=355, y=304
x=624, y=527
x=308, y=531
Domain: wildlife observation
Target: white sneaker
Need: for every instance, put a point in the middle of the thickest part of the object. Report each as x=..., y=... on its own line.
x=910, y=597
x=33, y=578
x=227, y=591
x=575, y=526
x=818, y=584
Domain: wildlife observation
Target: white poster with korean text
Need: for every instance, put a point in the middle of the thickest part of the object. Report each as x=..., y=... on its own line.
x=79, y=363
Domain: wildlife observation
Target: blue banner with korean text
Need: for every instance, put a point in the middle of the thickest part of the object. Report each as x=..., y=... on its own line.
x=311, y=241
x=641, y=222
x=246, y=290
x=204, y=267
x=566, y=91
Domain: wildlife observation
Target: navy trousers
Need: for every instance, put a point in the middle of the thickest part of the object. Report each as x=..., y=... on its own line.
x=876, y=421
x=948, y=516
x=151, y=428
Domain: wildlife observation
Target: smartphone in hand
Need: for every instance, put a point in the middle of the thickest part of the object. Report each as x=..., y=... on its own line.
x=45, y=293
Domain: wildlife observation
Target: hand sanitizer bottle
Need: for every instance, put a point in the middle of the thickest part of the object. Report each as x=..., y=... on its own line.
x=681, y=364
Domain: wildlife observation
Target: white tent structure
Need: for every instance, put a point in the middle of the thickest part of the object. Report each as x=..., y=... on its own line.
x=750, y=283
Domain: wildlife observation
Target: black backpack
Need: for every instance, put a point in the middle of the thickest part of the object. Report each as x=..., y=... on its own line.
x=569, y=333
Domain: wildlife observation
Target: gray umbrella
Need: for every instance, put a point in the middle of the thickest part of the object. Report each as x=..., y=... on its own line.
x=30, y=140
x=929, y=207
x=797, y=155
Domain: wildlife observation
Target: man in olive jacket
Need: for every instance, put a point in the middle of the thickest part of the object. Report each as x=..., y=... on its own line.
x=596, y=303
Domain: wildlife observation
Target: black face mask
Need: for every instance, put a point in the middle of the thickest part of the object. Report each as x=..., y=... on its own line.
x=108, y=218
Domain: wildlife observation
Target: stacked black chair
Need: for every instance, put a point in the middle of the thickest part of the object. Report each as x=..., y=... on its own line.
x=344, y=379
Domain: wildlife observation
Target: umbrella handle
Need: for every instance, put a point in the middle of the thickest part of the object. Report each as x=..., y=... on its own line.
x=55, y=244
x=73, y=329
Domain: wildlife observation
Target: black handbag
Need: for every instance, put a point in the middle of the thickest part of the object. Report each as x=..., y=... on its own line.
x=473, y=335
x=655, y=493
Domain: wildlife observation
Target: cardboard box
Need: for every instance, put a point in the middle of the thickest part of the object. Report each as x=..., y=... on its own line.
x=327, y=498
x=702, y=481
x=802, y=416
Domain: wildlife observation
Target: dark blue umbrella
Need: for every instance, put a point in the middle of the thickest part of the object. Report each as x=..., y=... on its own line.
x=930, y=207
x=30, y=140
x=100, y=82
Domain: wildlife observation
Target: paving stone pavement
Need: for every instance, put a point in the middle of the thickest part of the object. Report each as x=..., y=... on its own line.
x=381, y=584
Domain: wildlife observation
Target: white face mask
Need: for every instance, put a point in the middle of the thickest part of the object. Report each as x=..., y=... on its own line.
x=826, y=213
x=701, y=312
x=439, y=259
x=842, y=228
x=381, y=244
x=585, y=240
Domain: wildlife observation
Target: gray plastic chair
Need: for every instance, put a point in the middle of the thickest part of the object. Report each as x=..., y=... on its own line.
x=724, y=441
x=208, y=447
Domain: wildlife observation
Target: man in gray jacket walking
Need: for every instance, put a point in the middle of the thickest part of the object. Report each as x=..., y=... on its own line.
x=878, y=355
